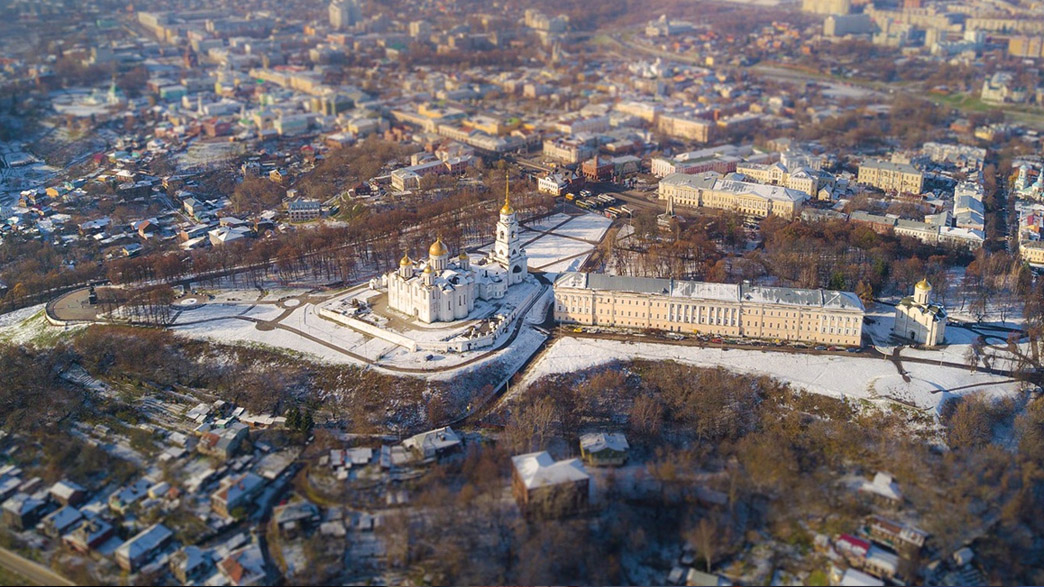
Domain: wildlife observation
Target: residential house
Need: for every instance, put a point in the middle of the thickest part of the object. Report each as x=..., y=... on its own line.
x=191, y=565
x=544, y=486
x=124, y=498
x=296, y=517
x=906, y=539
x=61, y=521
x=67, y=493
x=601, y=449
x=223, y=442
x=89, y=535
x=22, y=511
x=244, y=566
x=434, y=443
x=133, y=553
x=236, y=492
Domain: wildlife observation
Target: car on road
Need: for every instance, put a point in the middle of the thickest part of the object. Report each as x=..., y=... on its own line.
x=820, y=348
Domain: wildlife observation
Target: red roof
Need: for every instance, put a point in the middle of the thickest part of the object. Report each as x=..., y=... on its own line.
x=852, y=543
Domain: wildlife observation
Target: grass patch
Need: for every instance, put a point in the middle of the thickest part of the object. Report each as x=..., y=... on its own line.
x=9, y=578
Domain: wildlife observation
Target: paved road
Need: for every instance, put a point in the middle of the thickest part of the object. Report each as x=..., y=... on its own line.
x=27, y=569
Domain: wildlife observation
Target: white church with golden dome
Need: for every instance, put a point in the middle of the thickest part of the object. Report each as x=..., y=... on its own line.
x=442, y=290
x=920, y=320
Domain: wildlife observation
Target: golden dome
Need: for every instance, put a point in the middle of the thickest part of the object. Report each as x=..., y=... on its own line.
x=427, y=269
x=463, y=256
x=507, y=208
x=405, y=260
x=923, y=285
x=438, y=248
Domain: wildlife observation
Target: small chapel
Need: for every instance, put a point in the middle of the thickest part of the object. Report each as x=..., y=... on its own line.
x=920, y=320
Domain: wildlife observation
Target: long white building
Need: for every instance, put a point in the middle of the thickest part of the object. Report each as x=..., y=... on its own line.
x=770, y=313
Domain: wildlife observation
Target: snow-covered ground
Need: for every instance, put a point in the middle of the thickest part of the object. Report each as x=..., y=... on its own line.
x=589, y=227
x=549, y=250
x=854, y=376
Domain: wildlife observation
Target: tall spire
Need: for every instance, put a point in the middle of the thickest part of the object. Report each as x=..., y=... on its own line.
x=507, y=197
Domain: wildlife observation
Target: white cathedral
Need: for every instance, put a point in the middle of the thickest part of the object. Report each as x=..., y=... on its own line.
x=920, y=320
x=440, y=290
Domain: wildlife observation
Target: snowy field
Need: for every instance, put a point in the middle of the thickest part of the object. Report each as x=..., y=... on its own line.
x=549, y=250
x=589, y=227
x=240, y=332
x=855, y=376
x=564, y=248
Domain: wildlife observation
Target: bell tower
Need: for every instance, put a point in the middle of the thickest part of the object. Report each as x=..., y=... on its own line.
x=507, y=249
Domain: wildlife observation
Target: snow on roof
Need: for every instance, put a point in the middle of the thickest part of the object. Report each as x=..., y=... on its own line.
x=854, y=578
x=144, y=542
x=538, y=469
x=65, y=489
x=63, y=518
x=769, y=192
x=433, y=441
x=595, y=442
x=711, y=291
x=22, y=503
x=884, y=486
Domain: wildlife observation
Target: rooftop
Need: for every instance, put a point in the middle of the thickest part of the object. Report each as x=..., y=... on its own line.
x=538, y=469
x=712, y=291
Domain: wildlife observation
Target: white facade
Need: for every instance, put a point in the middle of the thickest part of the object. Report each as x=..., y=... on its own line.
x=440, y=290
x=918, y=319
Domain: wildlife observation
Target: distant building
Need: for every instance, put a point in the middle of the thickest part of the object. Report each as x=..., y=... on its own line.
x=918, y=319
x=546, y=487
x=244, y=566
x=686, y=127
x=827, y=6
x=847, y=24
x=750, y=199
x=1032, y=252
x=885, y=175
x=569, y=150
x=665, y=27
x=344, y=14
x=556, y=183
